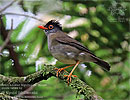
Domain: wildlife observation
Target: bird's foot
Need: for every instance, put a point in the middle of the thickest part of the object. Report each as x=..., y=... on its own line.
x=69, y=78
x=59, y=70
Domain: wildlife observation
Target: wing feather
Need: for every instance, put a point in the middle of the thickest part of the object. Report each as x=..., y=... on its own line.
x=70, y=41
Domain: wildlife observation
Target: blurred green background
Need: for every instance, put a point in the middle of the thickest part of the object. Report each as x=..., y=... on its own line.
x=102, y=26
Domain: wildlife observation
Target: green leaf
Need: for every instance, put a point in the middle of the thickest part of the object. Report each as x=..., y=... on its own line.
x=16, y=32
x=4, y=20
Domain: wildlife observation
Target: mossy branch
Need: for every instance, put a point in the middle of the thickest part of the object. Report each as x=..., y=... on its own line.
x=48, y=71
x=6, y=97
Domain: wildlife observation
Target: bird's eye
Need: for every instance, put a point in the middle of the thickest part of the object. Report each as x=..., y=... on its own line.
x=50, y=27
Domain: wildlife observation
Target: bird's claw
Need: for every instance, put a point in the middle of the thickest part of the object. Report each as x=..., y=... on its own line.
x=69, y=78
x=58, y=71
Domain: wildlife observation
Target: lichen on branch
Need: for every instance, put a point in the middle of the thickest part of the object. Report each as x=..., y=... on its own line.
x=48, y=71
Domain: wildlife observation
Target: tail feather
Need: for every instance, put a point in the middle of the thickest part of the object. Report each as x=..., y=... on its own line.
x=102, y=63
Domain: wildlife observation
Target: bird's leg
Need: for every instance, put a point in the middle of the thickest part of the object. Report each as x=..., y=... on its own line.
x=60, y=69
x=69, y=76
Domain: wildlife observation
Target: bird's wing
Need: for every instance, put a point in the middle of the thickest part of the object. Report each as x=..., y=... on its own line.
x=70, y=41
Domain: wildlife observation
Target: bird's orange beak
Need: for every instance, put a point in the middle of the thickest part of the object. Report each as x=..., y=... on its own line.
x=41, y=27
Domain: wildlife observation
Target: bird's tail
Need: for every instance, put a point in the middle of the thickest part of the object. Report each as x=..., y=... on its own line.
x=102, y=63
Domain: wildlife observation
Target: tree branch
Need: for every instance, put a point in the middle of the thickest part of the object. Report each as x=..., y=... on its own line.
x=18, y=14
x=47, y=72
x=7, y=38
x=13, y=54
x=1, y=10
x=27, y=90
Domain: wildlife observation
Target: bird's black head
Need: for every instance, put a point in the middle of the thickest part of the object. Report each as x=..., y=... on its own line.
x=51, y=27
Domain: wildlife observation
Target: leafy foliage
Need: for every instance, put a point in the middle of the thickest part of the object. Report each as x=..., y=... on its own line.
x=99, y=26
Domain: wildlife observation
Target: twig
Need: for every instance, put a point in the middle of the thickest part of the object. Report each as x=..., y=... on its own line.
x=10, y=13
x=8, y=37
x=27, y=90
x=13, y=55
x=1, y=10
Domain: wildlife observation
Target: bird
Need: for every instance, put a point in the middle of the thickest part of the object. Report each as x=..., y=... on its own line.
x=68, y=50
